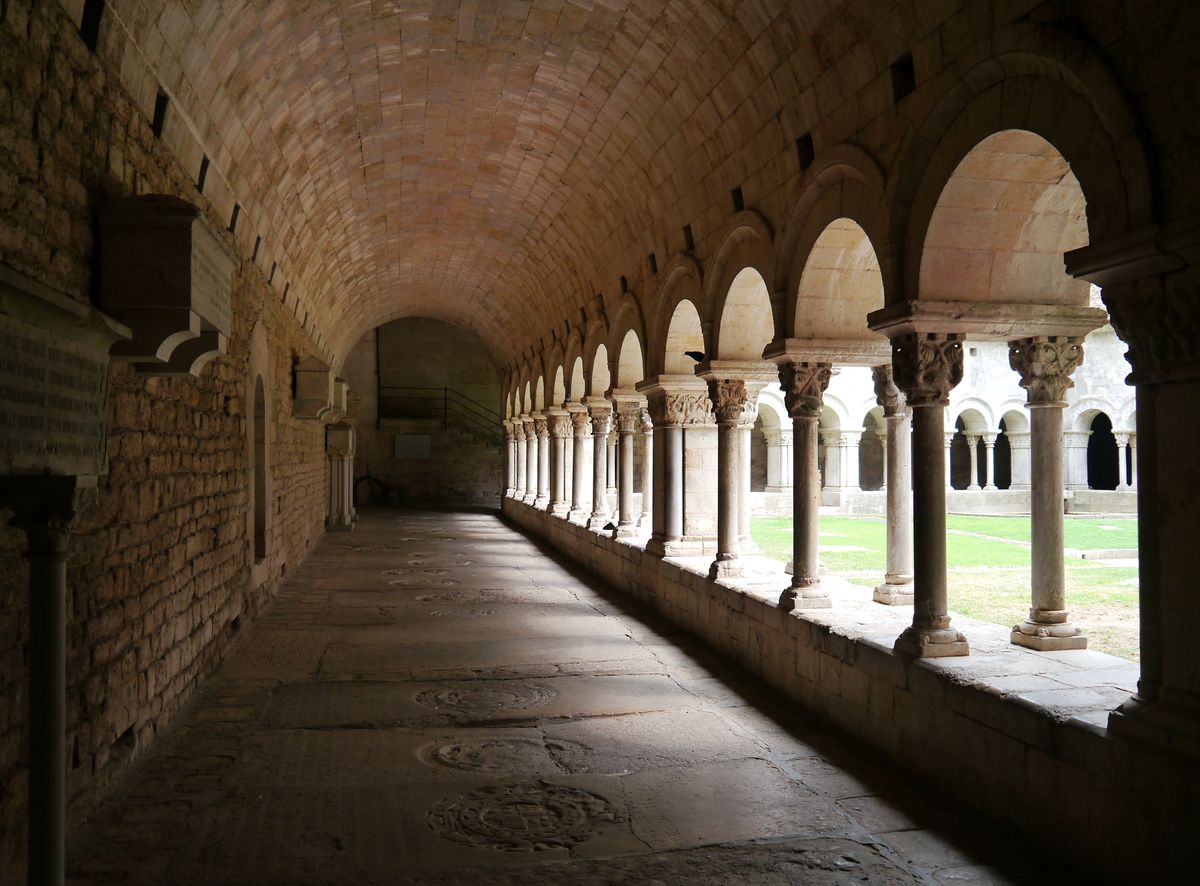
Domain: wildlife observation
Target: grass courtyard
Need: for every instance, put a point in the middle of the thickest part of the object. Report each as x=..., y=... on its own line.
x=988, y=561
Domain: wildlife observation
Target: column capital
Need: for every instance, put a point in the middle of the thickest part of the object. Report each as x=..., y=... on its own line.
x=581, y=422
x=518, y=429
x=927, y=366
x=645, y=423
x=804, y=387
x=559, y=425
x=1045, y=364
x=540, y=426
x=729, y=396
x=1122, y=437
x=989, y=440
x=680, y=408
x=629, y=415
x=847, y=439
x=43, y=505
x=887, y=395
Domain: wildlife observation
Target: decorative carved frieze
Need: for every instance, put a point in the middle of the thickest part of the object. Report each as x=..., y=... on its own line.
x=887, y=394
x=804, y=387
x=165, y=274
x=927, y=366
x=1045, y=365
x=681, y=410
x=314, y=390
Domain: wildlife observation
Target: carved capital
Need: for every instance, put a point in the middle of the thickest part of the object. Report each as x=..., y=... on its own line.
x=645, y=424
x=681, y=409
x=729, y=398
x=804, y=387
x=629, y=415
x=540, y=428
x=1045, y=365
x=887, y=395
x=1160, y=321
x=560, y=426
x=749, y=412
x=581, y=423
x=601, y=418
x=518, y=430
x=926, y=367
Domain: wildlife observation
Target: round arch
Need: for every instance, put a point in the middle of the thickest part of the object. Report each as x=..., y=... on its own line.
x=747, y=243
x=682, y=282
x=684, y=335
x=745, y=322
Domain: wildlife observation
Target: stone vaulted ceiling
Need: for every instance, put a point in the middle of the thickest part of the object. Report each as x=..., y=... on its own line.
x=484, y=162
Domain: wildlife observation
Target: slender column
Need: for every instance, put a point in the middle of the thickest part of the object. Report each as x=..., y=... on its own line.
x=531, y=459
x=745, y=429
x=729, y=398
x=510, y=459
x=1018, y=448
x=518, y=428
x=883, y=466
x=833, y=460
x=541, y=427
x=581, y=427
x=629, y=415
x=568, y=465
x=926, y=367
x=1122, y=458
x=804, y=387
x=348, y=487
x=1133, y=461
x=612, y=461
x=849, y=443
x=989, y=461
x=949, y=440
x=339, y=450
x=672, y=410
x=559, y=428
x=600, y=415
x=973, y=451
x=43, y=508
x=646, y=428
x=1045, y=364
x=897, y=587
x=1074, y=447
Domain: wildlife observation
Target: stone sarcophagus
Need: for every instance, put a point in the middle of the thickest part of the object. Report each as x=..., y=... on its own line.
x=168, y=277
x=314, y=390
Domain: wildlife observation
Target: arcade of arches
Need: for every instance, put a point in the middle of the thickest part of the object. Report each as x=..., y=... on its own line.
x=644, y=219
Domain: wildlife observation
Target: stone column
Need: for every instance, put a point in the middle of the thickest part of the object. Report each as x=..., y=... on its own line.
x=568, y=465
x=729, y=398
x=1074, y=447
x=1133, y=461
x=612, y=461
x=339, y=451
x=559, y=428
x=531, y=460
x=989, y=461
x=926, y=367
x=542, y=429
x=600, y=414
x=745, y=429
x=949, y=440
x=833, y=459
x=675, y=404
x=629, y=415
x=779, y=459
x=849, y=442
x=646, y=428
x=518, y=428
x=1018, y=448
x=804, y=387
x=510, y=466
x=883, y=465
x=581, y=427
x=1045, y=364
x=1122, y=439
x=44, y=507
x=897, y=587
x=973, y=452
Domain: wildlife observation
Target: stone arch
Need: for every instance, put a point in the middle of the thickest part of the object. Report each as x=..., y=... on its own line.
x=770, y=444
x=843, y=188
x=630, y=364
x=627, y=321
x=539, y=394
x=839, y=285
x=973, y=420
x=1041, y=80
x=559, y=394
x=1079, y=415
x=1011, y=459
x=576, y=386
x=527, y=400
x=260, y=438
x=599, y=376
x=744, y=324
x=684, y=333
x=1103, y=465
x=747, y=243
x=682, y=282
x=872, y=449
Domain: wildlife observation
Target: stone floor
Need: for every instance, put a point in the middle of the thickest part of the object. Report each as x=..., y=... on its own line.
x=432, y=699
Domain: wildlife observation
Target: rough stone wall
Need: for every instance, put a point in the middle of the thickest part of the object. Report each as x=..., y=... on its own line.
x=158, y=568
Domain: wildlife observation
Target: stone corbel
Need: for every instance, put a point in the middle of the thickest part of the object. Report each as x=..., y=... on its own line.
x=314, y=390
x=168, y=277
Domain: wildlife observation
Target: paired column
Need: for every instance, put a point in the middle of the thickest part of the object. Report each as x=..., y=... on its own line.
x=629, y=416
x=510, y=455
x=646, y=428
x=1045, y=364
x=1018, y=448
x=973, y=452
x=612, y=460
x=531, y=460
x=926, y=367
x=558, y=428
x=542, y=429
x=779, y=459
x=581, y=427
x=989, y=461
x=339, y=450
x=44, y=507
x=949, y=441
x=833, y=459
x=804, y=387
x=897, y=587
x=600, y=415
x=745, y=429
x=677, y=407
x=518, y=432
x=849, y=441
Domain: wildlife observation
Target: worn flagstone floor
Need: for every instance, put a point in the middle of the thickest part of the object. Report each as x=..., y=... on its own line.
x=432, y=699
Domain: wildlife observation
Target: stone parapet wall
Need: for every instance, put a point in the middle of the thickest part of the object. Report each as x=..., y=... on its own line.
x=159, y=572
x=1043, y=761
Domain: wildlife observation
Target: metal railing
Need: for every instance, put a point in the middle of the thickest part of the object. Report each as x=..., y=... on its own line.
x=444, y=404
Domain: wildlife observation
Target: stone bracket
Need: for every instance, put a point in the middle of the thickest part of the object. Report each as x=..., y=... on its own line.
x=314, y=398
x=842, y=352
x=985, y=321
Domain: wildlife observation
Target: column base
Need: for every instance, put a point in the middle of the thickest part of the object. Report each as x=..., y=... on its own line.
x=626, y=530
x=541, y=502
x=560, y=509
x=1166, y=726
x=894, y=594
x=719, y=569
x=1048, y=637
x=529, y=498
x=811, y=596
x=579, y=515
x=929, y=642
x=597, y=524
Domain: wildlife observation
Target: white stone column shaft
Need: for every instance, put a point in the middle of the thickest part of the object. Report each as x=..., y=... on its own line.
x=646, y=428
x=973, y=451
x=600, y=417
x=989, y=461
x=628, y=418
x=897, y=587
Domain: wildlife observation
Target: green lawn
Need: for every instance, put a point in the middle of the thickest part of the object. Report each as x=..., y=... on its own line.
x=989, y=568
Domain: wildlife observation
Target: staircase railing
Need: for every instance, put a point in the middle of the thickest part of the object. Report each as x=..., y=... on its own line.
x=445, y=404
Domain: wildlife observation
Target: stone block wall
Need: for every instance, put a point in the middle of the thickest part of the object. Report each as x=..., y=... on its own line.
x=158, y=576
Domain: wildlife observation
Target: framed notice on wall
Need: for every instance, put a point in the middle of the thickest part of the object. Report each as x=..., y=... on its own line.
x=412, y=446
